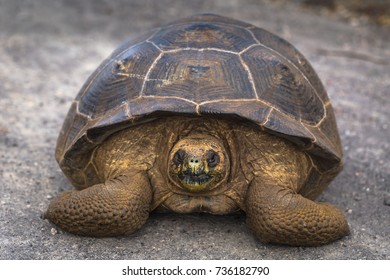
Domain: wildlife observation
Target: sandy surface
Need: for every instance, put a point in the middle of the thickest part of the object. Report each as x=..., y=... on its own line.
x=49, y=48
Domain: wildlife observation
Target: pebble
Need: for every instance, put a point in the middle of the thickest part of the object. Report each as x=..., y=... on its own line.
x=53, y=231
x=386, y=201
x=356, y=196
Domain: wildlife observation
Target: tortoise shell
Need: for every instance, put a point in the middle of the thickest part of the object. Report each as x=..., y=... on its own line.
x=202, y=65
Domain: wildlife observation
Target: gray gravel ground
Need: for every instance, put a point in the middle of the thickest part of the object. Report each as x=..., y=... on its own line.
x=49, y=48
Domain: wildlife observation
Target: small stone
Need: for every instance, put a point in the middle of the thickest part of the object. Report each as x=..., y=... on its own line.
x=386, y=201
x=49, y=196
x=53, y=231
x=356, y=196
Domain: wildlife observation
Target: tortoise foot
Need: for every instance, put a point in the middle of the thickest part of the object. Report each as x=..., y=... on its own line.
x=281, y=217
x=115, y=208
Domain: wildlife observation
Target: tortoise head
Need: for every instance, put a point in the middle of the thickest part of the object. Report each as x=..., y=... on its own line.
x=198, y=163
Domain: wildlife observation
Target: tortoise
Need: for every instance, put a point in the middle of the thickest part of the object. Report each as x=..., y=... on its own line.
x=205, y=114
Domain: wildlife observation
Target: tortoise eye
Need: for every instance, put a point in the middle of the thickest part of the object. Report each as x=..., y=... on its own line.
x=212, y=158
x=179, y=157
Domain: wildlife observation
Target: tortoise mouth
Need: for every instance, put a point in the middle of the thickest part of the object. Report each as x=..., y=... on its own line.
x=199, y=179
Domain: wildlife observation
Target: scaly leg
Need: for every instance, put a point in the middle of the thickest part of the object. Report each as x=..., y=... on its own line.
x=117, y=207
x=279, y=215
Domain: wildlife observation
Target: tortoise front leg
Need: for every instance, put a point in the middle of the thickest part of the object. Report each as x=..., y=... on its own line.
x=279, y=215
x=117, y=207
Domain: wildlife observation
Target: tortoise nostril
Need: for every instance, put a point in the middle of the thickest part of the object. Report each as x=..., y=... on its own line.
x=194, y=161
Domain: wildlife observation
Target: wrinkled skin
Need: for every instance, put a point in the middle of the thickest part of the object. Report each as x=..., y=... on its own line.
x=201, y=165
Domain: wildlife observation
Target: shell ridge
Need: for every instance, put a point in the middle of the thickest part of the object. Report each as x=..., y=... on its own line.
x=248, y=48
x=197, y=109
x=266, y=119
x=149, y=71
x=250, y=76
x=91, y=162
x=315, y=166
x=168, y=97
x=154, y=44
x=200, y=50
x=79, y=112
x=226, y=100
x=326, y=104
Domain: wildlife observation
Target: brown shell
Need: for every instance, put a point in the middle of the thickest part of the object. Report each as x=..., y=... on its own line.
x=202, y=65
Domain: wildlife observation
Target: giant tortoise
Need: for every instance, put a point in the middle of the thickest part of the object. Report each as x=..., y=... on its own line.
x=206, y=114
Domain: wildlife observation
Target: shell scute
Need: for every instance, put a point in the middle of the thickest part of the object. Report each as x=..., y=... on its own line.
x=279, y=84
x=120, y=81
x=283, y=125
x=199, y=76
x=203, y=35
x=142, y=107
x=248, y=109
x=279, y=46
